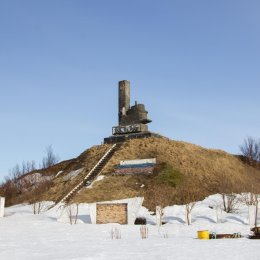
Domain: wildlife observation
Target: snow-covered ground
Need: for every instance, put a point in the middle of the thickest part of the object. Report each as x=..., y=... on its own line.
x=27, y=236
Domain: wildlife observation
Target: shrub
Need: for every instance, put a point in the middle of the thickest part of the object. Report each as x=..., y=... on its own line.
x=168, y=175
x=140, y=221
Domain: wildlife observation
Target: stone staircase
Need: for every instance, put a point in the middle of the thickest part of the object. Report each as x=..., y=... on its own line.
x=92, y=174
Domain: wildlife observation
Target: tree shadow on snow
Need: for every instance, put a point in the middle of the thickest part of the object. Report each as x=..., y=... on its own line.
x=85, y=218
x=52, y=218
x=150, y=222
x=206, y=218
x=236, y=219
x=170, y=219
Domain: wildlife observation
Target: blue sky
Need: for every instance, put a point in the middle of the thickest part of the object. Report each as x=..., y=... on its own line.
x=195, y=65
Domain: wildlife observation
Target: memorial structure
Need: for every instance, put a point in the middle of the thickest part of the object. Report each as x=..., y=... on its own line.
x=132, y=120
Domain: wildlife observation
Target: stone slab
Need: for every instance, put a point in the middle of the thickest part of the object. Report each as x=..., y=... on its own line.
x=122, y=138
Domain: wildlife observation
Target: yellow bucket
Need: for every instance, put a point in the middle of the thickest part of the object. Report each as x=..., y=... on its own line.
x=203, y=234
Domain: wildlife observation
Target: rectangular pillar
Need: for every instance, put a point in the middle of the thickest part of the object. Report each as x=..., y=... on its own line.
x=2, y=206
x=123, y=98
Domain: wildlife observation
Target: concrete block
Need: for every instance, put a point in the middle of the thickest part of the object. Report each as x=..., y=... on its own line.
x=2, y=206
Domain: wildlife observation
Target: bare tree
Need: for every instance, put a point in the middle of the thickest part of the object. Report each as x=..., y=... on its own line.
x=144, y=232
x=50, y=159
x=161, y=195
x=227, y=188
x=257, y=200
x=72, y=213
x=251, y=149
x=24, y=166
x=39, y=207
x=217, y=206
x=159, y=215
x=251, y=200
x=27, y=167
x=115, y=233
x=230, y=203
x=18, y=183
x=189, y=207
x=16, y=171
x=188, y=193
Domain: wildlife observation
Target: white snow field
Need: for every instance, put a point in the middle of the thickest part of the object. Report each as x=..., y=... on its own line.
x=26, y=236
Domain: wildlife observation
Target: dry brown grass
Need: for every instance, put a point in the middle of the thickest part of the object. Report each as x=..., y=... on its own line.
x=196, y=163
x=203, y=170
x=86, y=160
x=180, y=166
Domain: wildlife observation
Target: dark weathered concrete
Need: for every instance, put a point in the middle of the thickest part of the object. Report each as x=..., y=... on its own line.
x=123, y=99
x=132, y=121
x=121, y=138
x=126, y=115
x=127, y=129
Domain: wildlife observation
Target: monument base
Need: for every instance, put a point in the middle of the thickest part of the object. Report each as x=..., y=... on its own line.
x=124, y=137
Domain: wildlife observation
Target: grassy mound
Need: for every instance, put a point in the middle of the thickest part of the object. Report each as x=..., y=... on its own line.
x=182, y=167
x=184, y=172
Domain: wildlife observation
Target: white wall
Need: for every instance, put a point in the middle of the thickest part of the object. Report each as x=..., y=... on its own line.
x=2, y=206
x=136, y=162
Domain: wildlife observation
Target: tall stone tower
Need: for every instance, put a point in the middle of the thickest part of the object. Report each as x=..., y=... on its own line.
x=123, y=99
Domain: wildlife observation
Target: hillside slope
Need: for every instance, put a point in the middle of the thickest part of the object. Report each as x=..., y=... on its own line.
x=184, y=172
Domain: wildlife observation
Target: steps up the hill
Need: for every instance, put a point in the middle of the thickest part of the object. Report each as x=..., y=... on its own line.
x=92, y=174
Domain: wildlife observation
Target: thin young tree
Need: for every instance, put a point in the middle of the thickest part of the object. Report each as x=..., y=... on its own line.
x=251, y=150
x=72, y=213
x=251, y=199
x=50, y=159
x=188, y=194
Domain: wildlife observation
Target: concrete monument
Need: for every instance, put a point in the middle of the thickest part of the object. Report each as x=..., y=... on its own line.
x=132, y=120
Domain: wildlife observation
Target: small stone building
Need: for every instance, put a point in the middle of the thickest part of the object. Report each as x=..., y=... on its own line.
x=120, y=211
